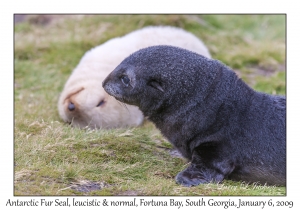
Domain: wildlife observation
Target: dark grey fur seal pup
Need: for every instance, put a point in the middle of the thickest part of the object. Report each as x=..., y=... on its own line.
x=212, y=117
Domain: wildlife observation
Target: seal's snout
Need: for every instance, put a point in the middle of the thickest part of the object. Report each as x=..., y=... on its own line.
x=71, y=103
x=108, y=89
x=106, y=85
x=105, y=81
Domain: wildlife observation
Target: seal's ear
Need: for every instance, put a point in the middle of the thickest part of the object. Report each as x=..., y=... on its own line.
x=156, y=85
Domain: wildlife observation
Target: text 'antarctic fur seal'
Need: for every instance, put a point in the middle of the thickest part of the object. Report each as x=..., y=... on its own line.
x=225, y=128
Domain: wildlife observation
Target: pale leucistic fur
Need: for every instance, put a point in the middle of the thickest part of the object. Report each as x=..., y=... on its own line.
x=84, y=86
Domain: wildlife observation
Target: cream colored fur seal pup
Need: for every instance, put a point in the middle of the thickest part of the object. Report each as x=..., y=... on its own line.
x=83, y=101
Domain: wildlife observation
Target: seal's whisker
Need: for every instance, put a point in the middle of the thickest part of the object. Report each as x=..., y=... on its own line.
x=126, y=107
x=123, y=104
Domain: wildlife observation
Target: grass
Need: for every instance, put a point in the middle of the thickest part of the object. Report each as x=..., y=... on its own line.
x=52, y=158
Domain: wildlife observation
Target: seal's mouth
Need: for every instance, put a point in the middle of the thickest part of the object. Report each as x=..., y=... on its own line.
x=115, y=93
x=112, y=92
x=118, y=97
x=109, y=90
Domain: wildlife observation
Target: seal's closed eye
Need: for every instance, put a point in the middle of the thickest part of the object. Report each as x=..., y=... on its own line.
x=100, y=103
x=125, y=80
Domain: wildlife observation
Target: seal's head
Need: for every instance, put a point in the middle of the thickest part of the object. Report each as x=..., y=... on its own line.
x=129, y=83
x=155, y=78
x=86, y=104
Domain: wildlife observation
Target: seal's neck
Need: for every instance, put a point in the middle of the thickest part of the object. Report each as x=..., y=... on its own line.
x=204, y=113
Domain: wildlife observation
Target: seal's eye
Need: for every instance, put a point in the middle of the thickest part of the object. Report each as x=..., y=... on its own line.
x=100, y=103
x=125, y=80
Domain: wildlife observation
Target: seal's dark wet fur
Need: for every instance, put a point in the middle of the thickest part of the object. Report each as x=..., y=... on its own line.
x=212, y=117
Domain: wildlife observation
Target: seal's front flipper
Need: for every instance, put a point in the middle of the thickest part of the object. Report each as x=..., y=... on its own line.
x=207, y=165
x=195, y=175
x=190, y=177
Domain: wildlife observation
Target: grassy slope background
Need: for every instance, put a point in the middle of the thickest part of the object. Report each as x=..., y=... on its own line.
x=52, y=158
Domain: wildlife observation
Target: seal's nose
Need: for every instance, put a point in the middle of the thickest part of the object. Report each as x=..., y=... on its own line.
x=104, y=82
x=71, y=106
